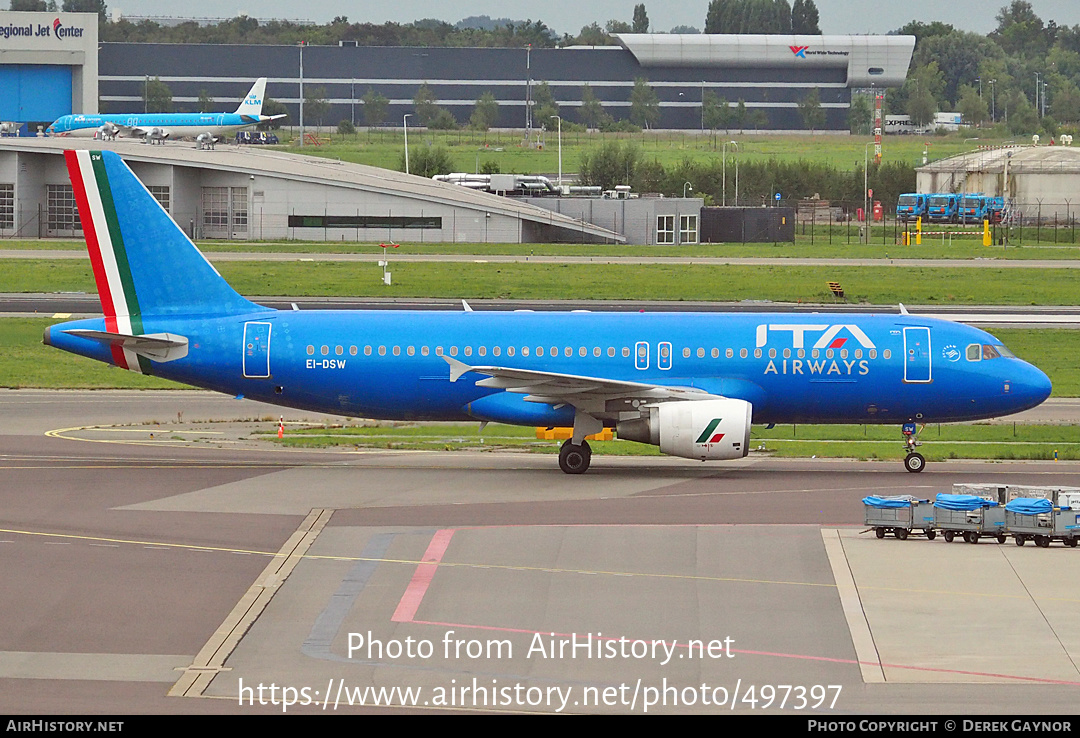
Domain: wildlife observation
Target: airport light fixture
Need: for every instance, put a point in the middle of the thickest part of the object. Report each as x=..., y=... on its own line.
x=685, y=185
x=405, y=126
x=723, y=186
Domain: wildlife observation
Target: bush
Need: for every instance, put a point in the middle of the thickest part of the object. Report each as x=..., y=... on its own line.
x=443, y=120
x=619, y=126
x=427, y=161
x=346, y=128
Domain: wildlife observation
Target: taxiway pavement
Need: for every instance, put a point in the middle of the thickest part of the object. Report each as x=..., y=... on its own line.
x=170, y=573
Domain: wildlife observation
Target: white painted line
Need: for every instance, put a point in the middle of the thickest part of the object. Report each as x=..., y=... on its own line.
x=865, y=649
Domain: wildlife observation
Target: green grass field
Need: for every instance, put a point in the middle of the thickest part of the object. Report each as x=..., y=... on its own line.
x=882, y=285
x=842, y=243
x=470, y=150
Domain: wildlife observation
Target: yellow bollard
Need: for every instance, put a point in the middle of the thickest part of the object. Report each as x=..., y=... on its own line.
x=918, y=231
x=986, y=232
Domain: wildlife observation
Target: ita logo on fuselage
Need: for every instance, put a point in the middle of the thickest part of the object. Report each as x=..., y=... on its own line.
x=824, y=336
x=831, y=335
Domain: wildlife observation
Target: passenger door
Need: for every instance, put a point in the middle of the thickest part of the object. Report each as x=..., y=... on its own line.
x=917, y=355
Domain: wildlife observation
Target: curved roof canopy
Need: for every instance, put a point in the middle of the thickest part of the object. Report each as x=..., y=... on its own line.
x=878, y=61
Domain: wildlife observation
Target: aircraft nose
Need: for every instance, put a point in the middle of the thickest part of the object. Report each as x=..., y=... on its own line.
x=1033, y=386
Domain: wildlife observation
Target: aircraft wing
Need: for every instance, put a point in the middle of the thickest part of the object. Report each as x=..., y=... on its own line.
x=586, y=393
x=142, y=132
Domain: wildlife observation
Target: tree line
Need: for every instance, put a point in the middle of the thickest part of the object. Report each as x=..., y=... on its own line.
x=615, y=163
x=1023, y=77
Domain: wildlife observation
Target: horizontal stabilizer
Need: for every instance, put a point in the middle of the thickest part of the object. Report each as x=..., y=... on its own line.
x=156, y=346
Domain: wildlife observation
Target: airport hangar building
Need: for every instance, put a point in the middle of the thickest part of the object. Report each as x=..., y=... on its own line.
x=249, y=193
x=769, y=73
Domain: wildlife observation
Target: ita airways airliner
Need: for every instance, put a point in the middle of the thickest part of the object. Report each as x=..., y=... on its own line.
x=690, y=383
x=157, y=127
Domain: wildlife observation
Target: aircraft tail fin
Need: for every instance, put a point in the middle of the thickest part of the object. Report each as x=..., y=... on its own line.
x=144, y=264
x=253, y=103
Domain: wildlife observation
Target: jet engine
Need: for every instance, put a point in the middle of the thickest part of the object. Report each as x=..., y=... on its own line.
x=107, y=132
x=703, y=429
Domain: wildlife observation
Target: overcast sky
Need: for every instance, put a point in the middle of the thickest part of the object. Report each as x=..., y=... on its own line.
x=568, y=16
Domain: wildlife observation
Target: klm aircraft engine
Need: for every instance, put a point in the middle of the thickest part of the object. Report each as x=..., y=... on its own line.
x=702, y=429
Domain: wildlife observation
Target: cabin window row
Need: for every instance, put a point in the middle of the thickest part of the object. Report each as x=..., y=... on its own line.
x=611, y=351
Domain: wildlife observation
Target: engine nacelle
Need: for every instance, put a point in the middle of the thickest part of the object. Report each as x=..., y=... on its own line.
x=704, y=429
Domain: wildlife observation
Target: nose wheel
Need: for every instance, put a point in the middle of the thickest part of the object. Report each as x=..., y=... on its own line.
x=914, y=462
x=574, y=459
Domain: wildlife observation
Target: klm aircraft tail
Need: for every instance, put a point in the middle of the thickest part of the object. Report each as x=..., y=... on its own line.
x=144, y=265
x=252, y=104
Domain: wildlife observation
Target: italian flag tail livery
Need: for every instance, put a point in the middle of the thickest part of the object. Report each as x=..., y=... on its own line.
x=144, y=264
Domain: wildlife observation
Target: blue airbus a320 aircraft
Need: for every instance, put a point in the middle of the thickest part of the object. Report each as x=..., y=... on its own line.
x=689, y=383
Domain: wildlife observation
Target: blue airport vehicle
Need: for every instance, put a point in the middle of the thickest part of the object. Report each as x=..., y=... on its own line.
x=942, y=207
x=972, y=208
x=911, y=206
x=690, y=383
x=977, y=207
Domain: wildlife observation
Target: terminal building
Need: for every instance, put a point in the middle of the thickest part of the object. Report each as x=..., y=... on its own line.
x=771, y=74
x=252, y=194
x=48, y=66
x=51, y=64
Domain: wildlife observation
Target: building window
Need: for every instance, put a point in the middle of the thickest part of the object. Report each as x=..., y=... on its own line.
x=225, y=209
x=384, y=222
x=665, y=229
x=215, y=205
x=161, y=194
x=688, y=232
x=61, y=213
x=7, y=206
x=239, y=209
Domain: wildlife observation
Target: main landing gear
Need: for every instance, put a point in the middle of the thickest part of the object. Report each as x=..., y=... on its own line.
x=914, y=462
x=574, y=459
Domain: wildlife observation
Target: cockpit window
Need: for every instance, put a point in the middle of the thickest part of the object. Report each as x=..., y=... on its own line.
x=1001, y=349
x=990, y=352
x=974, y=352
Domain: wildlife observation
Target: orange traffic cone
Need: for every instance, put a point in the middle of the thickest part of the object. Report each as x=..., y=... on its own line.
x=281, y=427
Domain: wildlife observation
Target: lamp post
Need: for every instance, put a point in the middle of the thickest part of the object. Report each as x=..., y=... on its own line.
x=146, y=94
x=405, y=126
x=723, y=186
x=993, y=107
x=301, y=93
x=1038, y=88
x=866, y=196
x=560, y=150
x=736, y=183
x=685, y=185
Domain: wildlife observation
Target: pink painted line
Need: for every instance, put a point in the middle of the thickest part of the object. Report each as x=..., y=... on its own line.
x=804, y=657
x=421, y=579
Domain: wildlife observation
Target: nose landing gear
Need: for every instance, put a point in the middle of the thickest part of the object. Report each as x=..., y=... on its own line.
x=914, y=462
